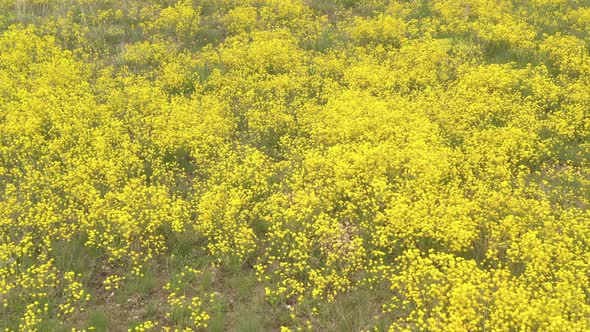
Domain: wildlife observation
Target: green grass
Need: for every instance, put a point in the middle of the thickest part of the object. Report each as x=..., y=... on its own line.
x=98, y=320
x=74, y=255
x=355, y=311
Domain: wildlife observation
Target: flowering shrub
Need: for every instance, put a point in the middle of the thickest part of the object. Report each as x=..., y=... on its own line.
x=330, y=165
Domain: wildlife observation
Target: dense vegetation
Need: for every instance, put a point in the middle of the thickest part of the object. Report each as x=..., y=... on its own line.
x=335, y=165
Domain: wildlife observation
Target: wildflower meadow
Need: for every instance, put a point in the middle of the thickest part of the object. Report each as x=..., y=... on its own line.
x=294, y=165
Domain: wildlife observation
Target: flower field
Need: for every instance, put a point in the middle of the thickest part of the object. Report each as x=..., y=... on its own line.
x=294, y=165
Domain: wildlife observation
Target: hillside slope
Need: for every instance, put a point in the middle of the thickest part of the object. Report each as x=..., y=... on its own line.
x=253, y=165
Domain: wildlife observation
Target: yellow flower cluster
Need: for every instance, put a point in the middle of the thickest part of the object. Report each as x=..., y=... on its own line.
x=113, y=282
x=145, y=326
x=433, y=156
x=74, y=295
x=185, y=311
